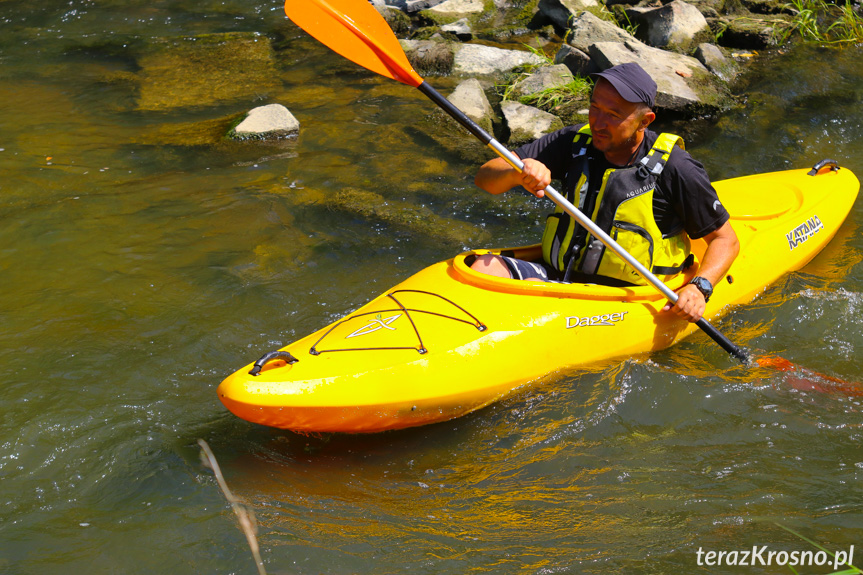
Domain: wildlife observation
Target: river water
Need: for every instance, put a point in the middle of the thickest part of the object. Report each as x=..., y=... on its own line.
x=143, y=260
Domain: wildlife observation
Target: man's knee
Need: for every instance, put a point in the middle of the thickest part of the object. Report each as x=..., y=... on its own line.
x=492, y=265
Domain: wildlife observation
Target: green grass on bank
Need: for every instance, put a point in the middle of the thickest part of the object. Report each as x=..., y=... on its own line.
x=576, y=90
x=823, y=22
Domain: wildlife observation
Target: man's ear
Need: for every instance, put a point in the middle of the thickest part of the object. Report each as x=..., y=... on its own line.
x=647, y=119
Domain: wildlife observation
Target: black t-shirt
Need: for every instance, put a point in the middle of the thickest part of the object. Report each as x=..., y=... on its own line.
x=684, y=197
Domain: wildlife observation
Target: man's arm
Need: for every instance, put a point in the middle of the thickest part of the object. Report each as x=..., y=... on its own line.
x=722, y=249
x=497, y=176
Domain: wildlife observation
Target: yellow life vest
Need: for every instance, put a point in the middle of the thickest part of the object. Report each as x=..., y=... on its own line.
x=622, y=208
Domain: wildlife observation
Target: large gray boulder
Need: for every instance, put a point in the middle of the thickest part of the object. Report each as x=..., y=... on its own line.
x=527, y=123
x=683, y=83
x=587, y=29
x=674, y=25
x=479, y=60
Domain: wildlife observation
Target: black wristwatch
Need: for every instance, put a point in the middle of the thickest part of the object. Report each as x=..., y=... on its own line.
x=704, y=286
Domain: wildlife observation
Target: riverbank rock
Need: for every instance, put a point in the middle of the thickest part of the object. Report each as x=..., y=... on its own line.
x=675, y=25
x=270, y=122
x=203, y=71
x=479, y=60
x=586, y=29
x=714, y=60
x=460, y=28
x=683, y=83
x=443, y=58
x=512, y=21
x=457, y=8
x=527, y=123
x=413, y=6
x=575, y=60
x=430, y=56
x=453, y=139
x=592, y=40
x=470, y=98
x=543, y=79
x=399, y=22
x=747, y=33
x=561, y=13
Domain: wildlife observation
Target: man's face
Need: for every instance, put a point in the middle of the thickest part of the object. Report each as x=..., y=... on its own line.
x=615, y=124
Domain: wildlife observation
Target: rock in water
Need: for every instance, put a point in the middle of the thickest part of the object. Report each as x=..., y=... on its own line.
x=527, y=123
x=266, y=122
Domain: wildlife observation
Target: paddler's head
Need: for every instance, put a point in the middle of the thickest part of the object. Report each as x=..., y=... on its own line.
x=621, y=107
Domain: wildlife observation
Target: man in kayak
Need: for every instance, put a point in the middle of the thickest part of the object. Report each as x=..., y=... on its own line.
x=640, y=187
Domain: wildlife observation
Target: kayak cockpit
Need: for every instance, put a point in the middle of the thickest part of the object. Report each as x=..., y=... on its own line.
x=461, y=269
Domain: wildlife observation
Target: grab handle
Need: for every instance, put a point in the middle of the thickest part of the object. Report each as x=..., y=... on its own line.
x=270, y=356
x=834, y=167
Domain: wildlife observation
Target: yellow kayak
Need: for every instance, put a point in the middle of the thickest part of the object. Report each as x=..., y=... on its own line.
x=449, y=340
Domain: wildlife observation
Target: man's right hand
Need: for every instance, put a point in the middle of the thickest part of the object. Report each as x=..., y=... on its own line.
x=496, y=177
x=535, y=177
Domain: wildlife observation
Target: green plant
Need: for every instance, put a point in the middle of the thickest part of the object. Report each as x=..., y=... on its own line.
x=723, y=26
x=629, y=26
x=852, y=571
x=578, y=88
x=547, y=99
x=809, y=16
x=849, y=25
x=546, y=59
x=806, y=20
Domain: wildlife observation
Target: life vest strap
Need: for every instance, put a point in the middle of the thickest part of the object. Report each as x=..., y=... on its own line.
x=673, y=270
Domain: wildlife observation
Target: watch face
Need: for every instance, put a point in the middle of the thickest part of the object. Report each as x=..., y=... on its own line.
x=703, y=286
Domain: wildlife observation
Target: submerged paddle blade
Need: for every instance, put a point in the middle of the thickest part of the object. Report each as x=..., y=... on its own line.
x=804, y=379
x=355, y=30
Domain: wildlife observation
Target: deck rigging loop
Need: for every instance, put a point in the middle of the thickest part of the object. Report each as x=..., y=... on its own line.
x=408, y=311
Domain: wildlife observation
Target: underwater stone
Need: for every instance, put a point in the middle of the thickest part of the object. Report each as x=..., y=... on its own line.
x=408, y=216
x=205, y=70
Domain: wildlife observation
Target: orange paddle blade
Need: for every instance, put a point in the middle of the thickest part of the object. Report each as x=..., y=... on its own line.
x=354, y=29
x=804, y=379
